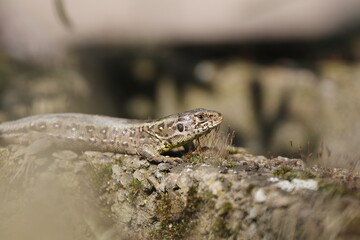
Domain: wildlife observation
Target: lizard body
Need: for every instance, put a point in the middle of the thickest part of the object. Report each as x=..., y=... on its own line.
x=148, y=138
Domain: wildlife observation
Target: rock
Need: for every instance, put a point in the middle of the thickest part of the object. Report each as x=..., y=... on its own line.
x=141, y=176
x=164, y=167
x=260, y=196
x=202, y=201
x=253, y=213
x=277, y=200
x=309, y=184
x=297, y=184
x=117, y=171
x=125, y=179
x=285, y=185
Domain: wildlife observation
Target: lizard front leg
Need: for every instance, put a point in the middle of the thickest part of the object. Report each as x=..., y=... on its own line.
x=153, y=155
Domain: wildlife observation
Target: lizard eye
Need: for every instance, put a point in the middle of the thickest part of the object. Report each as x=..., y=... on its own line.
x=180, y=127
x=201, y=117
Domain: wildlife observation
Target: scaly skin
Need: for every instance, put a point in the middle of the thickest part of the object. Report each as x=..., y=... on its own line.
x=148, y=138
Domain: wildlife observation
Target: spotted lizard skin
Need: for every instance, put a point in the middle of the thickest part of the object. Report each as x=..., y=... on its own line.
x=147, y=138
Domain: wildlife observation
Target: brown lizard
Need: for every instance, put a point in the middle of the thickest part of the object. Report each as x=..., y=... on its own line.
x=147, y=138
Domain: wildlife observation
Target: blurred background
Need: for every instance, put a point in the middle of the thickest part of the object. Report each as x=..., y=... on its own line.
x=285, y=74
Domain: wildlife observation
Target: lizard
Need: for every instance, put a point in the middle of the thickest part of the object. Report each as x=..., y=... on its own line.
x=84, y=132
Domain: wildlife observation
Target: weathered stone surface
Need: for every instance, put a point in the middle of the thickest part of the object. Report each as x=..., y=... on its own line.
x=115, y=196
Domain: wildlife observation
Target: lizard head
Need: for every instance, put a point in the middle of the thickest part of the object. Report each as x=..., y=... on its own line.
x=181, y=128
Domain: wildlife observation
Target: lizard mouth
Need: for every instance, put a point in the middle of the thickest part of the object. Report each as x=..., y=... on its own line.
x=218, y=120
x=211, y=125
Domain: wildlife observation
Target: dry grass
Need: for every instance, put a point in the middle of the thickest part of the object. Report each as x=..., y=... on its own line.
x=212, y=148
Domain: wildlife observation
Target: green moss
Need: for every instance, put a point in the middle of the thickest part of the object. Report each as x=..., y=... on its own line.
x=281, y=171
x=135, y=188
x=250, y=188
x=336, y=189
x=289, y=173
x=332, y=189
x=290, y=176
x=208, y=196
x=176, y=218
x=101, y=176
x=299, y=174
x=135, y=185
x=306, y=175
x=220, y=226
x=236, y=232
x=231, y=164
x=232, y=150
x=226, y=208
x=120, y=161
x=195, y=159
x=106, y=169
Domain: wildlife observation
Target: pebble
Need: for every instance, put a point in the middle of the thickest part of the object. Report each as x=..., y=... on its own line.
x=260, y=196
